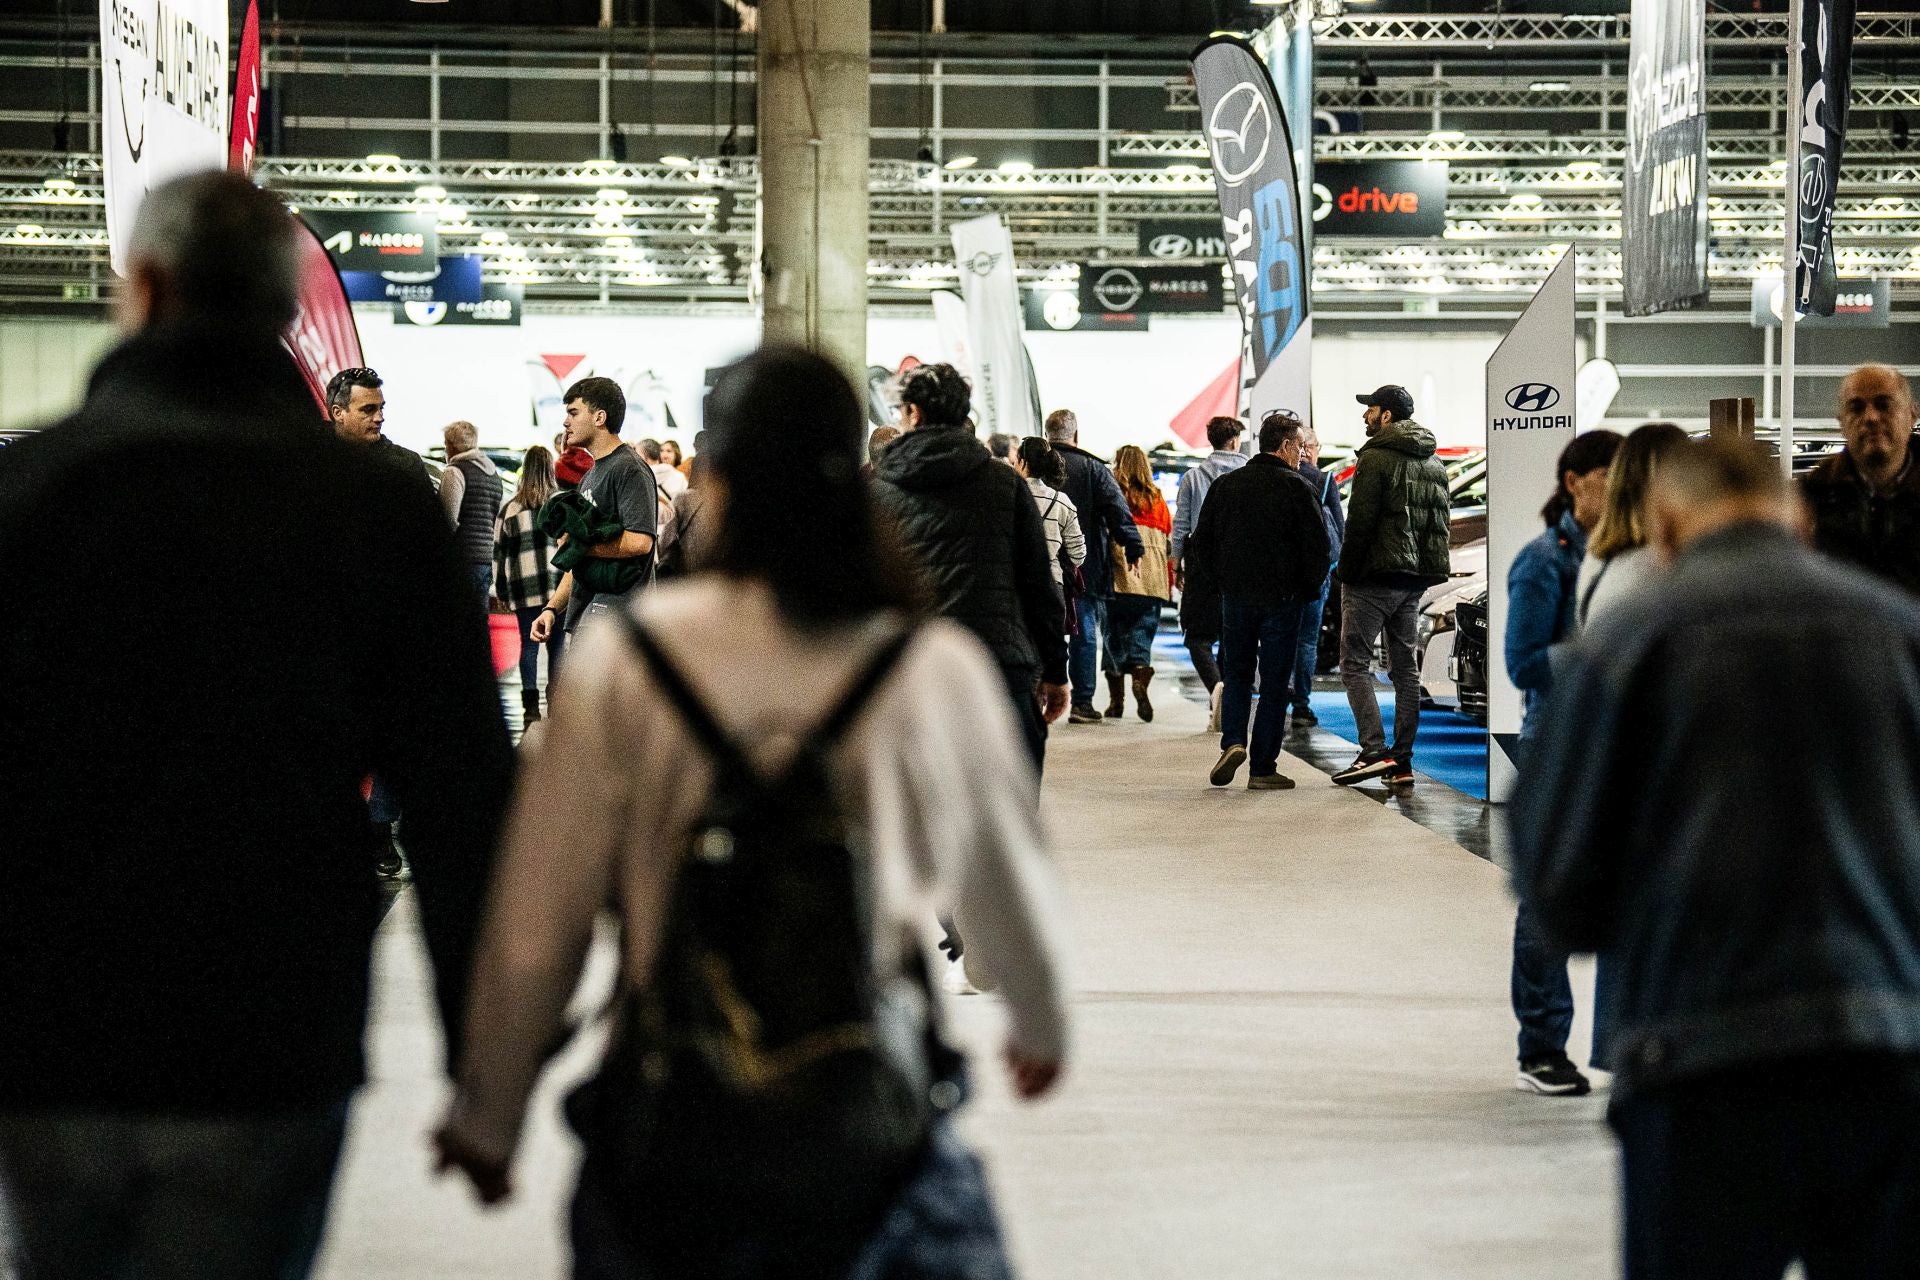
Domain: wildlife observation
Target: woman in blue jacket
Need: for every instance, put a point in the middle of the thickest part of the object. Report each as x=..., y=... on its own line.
x=1540, y=609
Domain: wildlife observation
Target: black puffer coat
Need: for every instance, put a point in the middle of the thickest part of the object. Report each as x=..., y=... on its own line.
x=972, y=524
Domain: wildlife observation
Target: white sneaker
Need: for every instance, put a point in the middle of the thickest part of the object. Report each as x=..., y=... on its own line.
x=1213, y=705
x=956, y=981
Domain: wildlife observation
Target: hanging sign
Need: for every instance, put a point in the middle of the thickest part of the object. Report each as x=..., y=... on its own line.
x=163, y=89
x=1382, y=199
x=369, y=240
x=1181, y=239
x=323, y=337
x=1117, y=290
x=1530, y=419
x=1819, y=129
x=1663, y=218
x=499, y=304
x=1004, y=394
x=455, y=279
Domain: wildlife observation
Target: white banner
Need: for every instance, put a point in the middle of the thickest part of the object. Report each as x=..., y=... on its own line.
x=163, y=86
x=1530, y=419
x=1004, y=395
x=1288, y=381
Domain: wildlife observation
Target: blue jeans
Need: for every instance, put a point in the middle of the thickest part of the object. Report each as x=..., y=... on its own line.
x=1543, y=998
x=1308, y=660
x=1133, y=623
x=1256, y=637
x=530, y=658
x=1080, y=653
x=90, y=1194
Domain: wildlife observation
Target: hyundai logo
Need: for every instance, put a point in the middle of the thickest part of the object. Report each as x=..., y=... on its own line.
x=1239, y=132
x=1533, y=397
x=1170, y=246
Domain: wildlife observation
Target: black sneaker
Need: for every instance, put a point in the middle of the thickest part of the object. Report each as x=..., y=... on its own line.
x=1269, y=782
x=389, y=864
x=1401, y=775
x=1364, y=769
x=1084, y=713
x=1227, y=765
x=1304, y=715
x=1555, y=1076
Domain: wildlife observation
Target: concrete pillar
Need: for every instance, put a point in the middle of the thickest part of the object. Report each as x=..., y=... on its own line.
x=812, y=133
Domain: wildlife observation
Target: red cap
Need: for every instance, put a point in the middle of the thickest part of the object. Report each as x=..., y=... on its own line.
x=571, y=467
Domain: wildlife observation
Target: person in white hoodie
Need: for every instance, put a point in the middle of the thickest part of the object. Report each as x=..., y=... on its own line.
x=1619, y=559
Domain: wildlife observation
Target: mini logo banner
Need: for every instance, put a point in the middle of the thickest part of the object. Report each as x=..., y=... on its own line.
x=1005, y=397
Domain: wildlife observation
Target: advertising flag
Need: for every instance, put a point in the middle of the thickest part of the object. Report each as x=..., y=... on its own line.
x=1663, y=219
x=1820, y=131
x=163, y=89
x=244, y=137
x=1259, y=190
x=323, y=337
x=1004, y=394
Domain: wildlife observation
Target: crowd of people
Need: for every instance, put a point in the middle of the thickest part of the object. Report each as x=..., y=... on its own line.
x=227, y=733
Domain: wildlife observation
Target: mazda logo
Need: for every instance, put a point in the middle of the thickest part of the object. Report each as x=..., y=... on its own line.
x=1118, y=289
x=1533, y=397
x=1239, y=132
x=1170, y=246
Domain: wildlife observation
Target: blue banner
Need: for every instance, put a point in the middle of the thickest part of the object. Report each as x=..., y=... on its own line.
x=454, y=280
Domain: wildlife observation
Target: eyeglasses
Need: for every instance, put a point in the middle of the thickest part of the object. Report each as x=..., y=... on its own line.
x=350, y=375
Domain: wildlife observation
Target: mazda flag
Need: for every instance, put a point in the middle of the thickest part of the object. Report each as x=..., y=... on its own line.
x=1664, y=215
x=1252, y=149
x=1820, y=131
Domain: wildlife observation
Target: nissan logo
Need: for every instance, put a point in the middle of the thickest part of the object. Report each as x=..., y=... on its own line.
x=1170, y=246
x=1118, y=289
x=1239, y=132
x=1533, y=397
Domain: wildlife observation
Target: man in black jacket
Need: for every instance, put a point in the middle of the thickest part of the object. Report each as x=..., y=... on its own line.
x=1748, y=866
x=976, y=532
x=235, y=619
x=1866, y=499
x=1262, y=544
x=1105, y=522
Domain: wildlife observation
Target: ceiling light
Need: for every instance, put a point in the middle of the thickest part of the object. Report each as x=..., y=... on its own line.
x=382, y=158
x=676, y=162
x=29, y=229
x=962, y=162
x=619, y=242
x=1013, y=168
x=1584, y=166
x=607, y=215
x=431, y=192
x=1550, y=86
x=1446, y=135
x=493, y=237
x=1193, y=169
x=59, y=184
x=609, y=193
x=1527, y=199
x=453, y=213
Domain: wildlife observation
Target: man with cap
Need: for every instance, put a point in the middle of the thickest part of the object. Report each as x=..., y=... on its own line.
x=1396, y=547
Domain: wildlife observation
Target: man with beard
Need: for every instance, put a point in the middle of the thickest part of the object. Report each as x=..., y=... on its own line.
x=1866, y=498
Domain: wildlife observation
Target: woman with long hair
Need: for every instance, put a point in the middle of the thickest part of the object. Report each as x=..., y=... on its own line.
x=805, y=648
x=1140, y=588
x=1045, y=471
x=1618, y=558
x=523, y=573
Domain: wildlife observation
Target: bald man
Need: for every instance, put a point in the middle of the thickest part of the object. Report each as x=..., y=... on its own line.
x=1866, y=499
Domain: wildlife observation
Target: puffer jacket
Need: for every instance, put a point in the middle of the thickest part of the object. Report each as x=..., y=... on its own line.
x=1878, y=532
x=1399, y=514
x=973, y=526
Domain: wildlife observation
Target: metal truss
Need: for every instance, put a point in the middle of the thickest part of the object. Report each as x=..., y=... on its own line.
x=1482, y=147
x=1507, y=32
x=1573, y=93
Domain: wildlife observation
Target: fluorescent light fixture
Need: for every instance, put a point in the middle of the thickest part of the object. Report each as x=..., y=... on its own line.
x=607, y=215
x=1550, y=86
x=453, y=213
x=1446, y=135
x=382, y=158
x=1584, y=166
x=676, y=162
x=609, y=193
x=619, y=242
x=431, y=192
x=493, y=237
x=1527, y=199
x=1190, y=169
x=29, y=229
x=60, y=184
x=1013, y=168
x=962, y=162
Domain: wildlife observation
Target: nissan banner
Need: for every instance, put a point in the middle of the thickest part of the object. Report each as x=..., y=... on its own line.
x=1004, y=395
x=1820, y=131
x=1253, y=174
x=1530, y=419
x=1663, y=219
x=163, y=89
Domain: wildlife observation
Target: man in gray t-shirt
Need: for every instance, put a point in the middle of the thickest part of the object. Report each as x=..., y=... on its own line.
x=617, y=483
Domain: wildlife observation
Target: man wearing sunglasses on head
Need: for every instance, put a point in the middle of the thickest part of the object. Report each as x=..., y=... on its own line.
x=358, y=408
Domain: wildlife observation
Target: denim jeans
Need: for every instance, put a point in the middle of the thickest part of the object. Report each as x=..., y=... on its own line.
x=1308, y=659
x=1543, y=997
x=1733, y=1176
x=1366, y=611
x=942, y=1226
x=530, y=657
x=1133, y=623
x=1094, y=637
x=1256, y=637
x=92, y=1194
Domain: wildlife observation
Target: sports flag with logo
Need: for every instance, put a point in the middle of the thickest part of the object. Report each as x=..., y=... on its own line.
x=1005, y=397
x=323, y=337
x=163, y=87
x=1820, y=131
x=243, y=139
x=1253, y=173
x=1663, y=229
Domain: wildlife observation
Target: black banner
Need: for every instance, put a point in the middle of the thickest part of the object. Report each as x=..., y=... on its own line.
x=1106, y=289
x=1826, y=60
x=365, y=240
x=1387, y=199
x=1181, y=239
x=1252, y=151
x=1663, y=217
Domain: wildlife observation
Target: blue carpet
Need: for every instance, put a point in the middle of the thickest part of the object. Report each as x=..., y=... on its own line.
x=1450, y=748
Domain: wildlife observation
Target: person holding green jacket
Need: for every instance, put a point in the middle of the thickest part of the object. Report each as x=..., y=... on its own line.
x=1396, y=547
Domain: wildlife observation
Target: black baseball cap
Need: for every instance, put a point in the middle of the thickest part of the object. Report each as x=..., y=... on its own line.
x=1394, y=400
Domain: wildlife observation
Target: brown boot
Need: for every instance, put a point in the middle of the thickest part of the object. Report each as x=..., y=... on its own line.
x=1116, y=695
x=1142, y=676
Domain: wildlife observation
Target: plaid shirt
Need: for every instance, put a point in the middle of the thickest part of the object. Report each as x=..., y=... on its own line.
x=522, y=559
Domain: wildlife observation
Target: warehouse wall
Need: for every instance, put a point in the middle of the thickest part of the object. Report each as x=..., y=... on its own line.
x=44, y=366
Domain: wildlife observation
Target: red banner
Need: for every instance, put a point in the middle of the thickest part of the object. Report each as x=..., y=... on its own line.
x=322, y=337
x=1220, y=400
x=245, y=133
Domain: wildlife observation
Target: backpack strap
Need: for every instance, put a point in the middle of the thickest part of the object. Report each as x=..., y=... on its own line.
x=693, y=712
x=866, y=683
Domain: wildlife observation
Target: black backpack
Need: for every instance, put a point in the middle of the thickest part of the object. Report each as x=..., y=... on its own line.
x=746, y=1121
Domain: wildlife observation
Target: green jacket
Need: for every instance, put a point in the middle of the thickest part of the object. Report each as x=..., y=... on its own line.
x=572, y=514
x=1400, y=513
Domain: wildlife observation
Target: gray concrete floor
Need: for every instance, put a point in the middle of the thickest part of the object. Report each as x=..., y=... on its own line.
x=1293, y=1059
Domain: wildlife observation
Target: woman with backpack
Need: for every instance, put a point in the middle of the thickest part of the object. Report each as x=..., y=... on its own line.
x=524, y=576
x=775, y=1101
x=1139, y=587
x=1045, y=471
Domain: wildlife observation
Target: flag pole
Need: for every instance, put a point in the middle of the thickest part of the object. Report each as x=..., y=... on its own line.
x=1790, y=261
